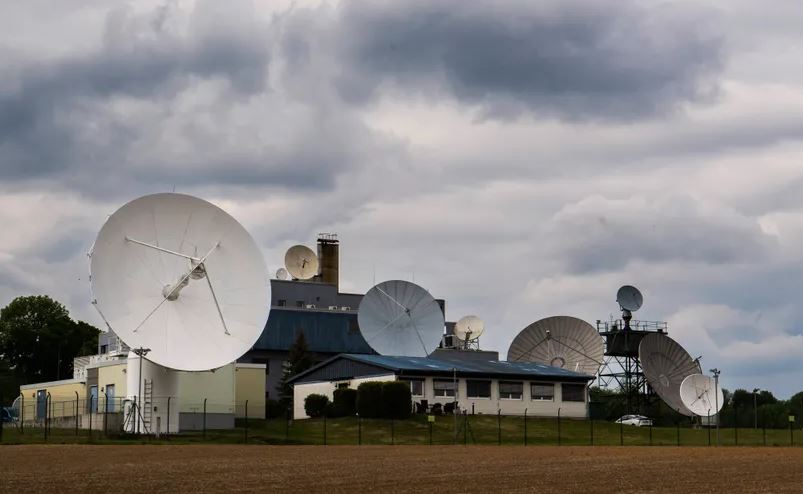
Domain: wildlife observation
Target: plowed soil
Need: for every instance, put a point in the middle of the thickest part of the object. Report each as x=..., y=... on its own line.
x=441, y=469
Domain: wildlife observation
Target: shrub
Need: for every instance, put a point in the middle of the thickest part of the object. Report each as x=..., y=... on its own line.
x=436, y=409
x=344, y=403
x=315, y=405
x=448, y=408
x=397, y=401
x=369, y=399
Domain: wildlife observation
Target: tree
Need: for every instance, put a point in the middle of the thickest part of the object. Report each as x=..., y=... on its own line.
x=38, y=340
x=299, y=359
x=316, y=404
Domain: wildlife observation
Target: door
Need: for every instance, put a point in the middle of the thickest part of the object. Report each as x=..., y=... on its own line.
x=93, y=399
x=110, y=398
x=41, y=404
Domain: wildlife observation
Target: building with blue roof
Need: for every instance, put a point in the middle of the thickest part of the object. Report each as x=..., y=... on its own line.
x=477, y=382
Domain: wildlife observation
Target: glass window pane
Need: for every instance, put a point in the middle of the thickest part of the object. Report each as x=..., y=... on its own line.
x=574, y=392
x=542, y=391
x=443, y=388
x=510, y=390
x=478, y=389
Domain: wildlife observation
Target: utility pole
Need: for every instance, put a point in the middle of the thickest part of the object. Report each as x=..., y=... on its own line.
x=716, y=373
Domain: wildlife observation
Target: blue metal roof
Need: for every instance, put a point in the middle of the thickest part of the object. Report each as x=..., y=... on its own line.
x=375, y=364
x=325, y=331
x=466, y=367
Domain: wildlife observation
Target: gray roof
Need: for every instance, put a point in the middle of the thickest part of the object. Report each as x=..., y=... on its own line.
x=411, y=366
x=325, y=331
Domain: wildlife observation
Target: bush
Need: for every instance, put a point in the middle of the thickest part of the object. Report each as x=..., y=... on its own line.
x=448, y=408
x=397, y=401
x=369, y=400
x=315, y=405
x=436, y=409
x=344, y=403
x=274, y=409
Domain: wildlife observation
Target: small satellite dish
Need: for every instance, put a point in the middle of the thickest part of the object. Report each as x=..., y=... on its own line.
x=560, y=341
x=629, y=298
x=469, y=328
x=701, y=395
x=179, y=276
x=665, y=365
x=301, y=262
x=281, y=274
x=400, y=318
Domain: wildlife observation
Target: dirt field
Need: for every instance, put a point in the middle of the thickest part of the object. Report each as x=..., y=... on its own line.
x=231, y=468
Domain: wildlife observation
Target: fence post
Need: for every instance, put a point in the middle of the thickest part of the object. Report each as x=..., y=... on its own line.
x=650, y=432
x=591, y=424
x=105, y=413
x=764, y=433
x=465, y=428
x=430, y=431
x=90, y=417
x=735, y=426
x=47, y=414
x=621, y=433
x=392, y=433
x=499, y=427
x=204, y=434
x=709, y=426
x=22, y=414
x=287, y=426
x=359, y=430
x=791, y=433
x=168, y=416
x=1, y=416
x=76, y=413
x=246, y=425
x=677, y=428
x=559, y=440
x=525, y=427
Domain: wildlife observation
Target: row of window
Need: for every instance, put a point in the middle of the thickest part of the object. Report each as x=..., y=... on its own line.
x=508, y=390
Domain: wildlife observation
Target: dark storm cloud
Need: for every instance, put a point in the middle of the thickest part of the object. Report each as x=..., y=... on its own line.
x=574, y=60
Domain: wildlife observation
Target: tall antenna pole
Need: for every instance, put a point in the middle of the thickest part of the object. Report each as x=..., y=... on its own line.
x=141, y=352
x=716, y=373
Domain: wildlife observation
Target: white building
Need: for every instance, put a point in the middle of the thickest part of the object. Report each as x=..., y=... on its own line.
x=478, y=385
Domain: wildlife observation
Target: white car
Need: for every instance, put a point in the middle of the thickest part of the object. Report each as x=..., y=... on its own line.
x=637, y=420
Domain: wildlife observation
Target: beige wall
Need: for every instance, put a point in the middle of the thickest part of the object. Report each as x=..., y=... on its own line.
x=250, y=385
x=326, y=388
x=508, y=407
x=216, y=386
x=62, y=397
x=115, y=375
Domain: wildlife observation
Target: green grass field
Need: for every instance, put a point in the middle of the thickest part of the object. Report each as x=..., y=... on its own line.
x=467, y=430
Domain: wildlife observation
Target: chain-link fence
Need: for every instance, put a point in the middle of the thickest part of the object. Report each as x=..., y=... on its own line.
x=161, y=418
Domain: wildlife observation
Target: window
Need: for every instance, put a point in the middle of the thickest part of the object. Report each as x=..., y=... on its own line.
x=109, y=405
x=300, y=303
x=281, y=302
x=542, y=391
x=104, y=348
x=478, y=389
x=443, y=388
x=574, y=392
x=343, y=385
x=510, y=390
x=416, y=386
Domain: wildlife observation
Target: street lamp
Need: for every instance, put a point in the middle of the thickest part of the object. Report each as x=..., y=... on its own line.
x=716, y=373
x=755, y=408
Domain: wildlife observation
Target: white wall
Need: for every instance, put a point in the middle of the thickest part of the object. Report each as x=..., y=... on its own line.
x=508, y=407
x=327, y=388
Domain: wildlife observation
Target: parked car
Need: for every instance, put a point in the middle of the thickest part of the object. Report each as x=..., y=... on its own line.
x=637, y=420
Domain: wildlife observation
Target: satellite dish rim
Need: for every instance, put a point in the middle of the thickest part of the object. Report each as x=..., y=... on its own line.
x=301, y=262
x=474, y=333
x=629, y=298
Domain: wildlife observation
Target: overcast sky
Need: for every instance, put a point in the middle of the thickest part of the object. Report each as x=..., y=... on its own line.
x=519, y=159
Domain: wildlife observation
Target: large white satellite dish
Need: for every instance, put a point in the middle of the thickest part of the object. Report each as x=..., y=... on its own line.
x=177, y=275
x=469, y=328
x=560, y=341
x=400, y=318
x=701, y=395
x=301, y=262
x=629, y=298
x=665, y=365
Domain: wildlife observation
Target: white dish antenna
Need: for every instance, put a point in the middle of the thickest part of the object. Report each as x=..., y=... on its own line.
x=179, y=276
x=301, y=262
x=701, y=395
x=469, y=328
x=665, y=365
x=281, y=274
x=400, y=318
x=629, y=298
x=560, y=341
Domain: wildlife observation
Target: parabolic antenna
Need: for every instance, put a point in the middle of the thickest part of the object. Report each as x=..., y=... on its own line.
x=629, y=298
x=701, y=395
x=177, y=275
x=400, y=318
x=665, y=365
x=281, y=274
x=559, y=341
x=469, y=328
x=301, y=262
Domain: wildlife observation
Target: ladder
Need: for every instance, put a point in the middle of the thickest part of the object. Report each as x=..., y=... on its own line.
x=147, y=404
